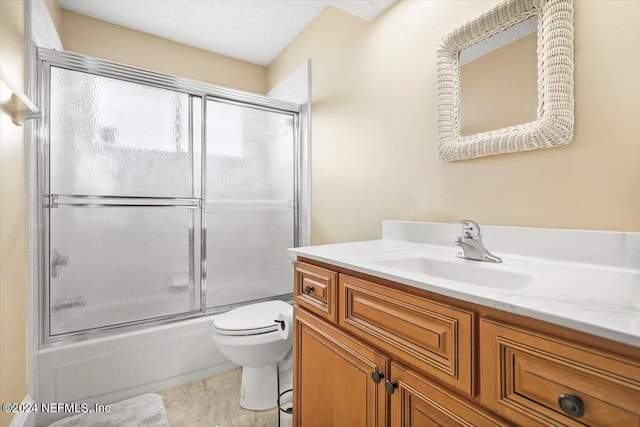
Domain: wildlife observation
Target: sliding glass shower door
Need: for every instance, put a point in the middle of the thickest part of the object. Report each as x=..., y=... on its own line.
x=157, y=205
x=250, y=203
x=123, y=203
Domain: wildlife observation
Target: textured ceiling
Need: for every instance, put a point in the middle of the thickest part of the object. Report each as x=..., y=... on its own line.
x=251, y=30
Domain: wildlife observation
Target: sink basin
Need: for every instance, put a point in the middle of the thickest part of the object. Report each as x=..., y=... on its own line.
x=470, y=272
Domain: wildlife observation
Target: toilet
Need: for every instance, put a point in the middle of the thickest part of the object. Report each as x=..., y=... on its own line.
x=248, y=336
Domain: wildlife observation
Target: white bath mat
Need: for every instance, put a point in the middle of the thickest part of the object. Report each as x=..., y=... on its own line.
x=146, y=410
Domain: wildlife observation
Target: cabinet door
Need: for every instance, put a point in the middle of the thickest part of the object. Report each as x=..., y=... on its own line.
x=418, y=402
x=333, y=381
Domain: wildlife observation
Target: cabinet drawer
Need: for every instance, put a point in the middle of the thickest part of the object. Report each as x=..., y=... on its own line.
x=525, y=376
x=432, y=337
x=417, y=401
x=315, y=290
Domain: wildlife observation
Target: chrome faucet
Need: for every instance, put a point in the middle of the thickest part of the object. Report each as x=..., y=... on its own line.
x=471, y=243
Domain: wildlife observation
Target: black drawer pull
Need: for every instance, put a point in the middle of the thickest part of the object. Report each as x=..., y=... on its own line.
x=571, y=405
x=308, y=289
x=377, y=376
x=390, y=386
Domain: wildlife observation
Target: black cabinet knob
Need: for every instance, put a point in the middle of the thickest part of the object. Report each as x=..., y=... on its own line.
x=308, y=289
x=571, y=405
x=390, y=386
x=377, y=376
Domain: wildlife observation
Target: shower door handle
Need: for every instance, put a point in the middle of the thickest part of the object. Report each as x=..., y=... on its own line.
x=58, y=260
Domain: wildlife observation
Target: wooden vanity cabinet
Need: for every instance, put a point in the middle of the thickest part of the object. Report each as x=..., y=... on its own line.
x=445, y=362
x=337, y=380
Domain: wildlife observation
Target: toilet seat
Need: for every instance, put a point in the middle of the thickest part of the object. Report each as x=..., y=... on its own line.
x=252, y=319
x=248, y=336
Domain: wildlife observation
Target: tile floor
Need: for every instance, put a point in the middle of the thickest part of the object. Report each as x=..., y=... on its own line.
x=213, y=402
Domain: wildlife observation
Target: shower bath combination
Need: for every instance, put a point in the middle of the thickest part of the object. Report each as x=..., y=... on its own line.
x=164, y=200
x=159, y=205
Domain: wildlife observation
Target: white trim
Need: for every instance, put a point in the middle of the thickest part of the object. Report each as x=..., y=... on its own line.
x=553, y=126
x=44, y=31
x=40, y=31
x=24, y=419
x=306, y=161
x=296, y=87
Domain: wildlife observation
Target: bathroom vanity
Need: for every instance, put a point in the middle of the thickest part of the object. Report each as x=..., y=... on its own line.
x=400, y=332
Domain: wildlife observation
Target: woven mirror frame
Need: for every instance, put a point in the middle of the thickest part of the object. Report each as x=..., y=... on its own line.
x=555, y=113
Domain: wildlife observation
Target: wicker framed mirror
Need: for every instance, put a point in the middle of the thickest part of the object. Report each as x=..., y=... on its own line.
x=553, y=120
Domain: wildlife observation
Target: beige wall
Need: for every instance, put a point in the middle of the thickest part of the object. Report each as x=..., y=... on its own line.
x=13, y=299
x=374, y=136
x=89, y=36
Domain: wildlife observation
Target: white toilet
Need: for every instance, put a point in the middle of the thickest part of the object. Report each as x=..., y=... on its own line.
x=248, y=336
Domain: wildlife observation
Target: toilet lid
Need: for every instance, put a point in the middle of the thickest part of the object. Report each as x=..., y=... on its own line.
x=252, y=318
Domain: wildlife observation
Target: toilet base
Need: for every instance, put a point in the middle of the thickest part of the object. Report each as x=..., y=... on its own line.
x=259, y=389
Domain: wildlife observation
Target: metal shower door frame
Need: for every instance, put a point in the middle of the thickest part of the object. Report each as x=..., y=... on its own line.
x=46, y=59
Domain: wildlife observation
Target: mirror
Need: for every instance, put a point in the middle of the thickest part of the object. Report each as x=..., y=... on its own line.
x=500, y=71
x=505, y=81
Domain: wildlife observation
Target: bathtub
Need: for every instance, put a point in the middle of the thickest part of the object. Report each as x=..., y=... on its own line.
x=111, y=368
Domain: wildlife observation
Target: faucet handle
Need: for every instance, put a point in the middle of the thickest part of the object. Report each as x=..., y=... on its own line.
x=470, y=228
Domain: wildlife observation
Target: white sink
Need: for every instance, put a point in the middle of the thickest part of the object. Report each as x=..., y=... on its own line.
x=466, y=271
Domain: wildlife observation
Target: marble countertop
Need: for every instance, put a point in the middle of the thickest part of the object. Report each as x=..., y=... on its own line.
x=602, y=300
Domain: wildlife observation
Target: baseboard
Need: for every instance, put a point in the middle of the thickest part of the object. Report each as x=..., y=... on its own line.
x=24, y=419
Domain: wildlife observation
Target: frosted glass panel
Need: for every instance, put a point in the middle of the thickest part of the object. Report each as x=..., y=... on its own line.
x=115, y=265
x=115, y=138
x=250, y=210
x=249, y=153
x=247, y=254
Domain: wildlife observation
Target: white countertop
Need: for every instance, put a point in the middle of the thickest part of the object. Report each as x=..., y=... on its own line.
x=602, y=300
